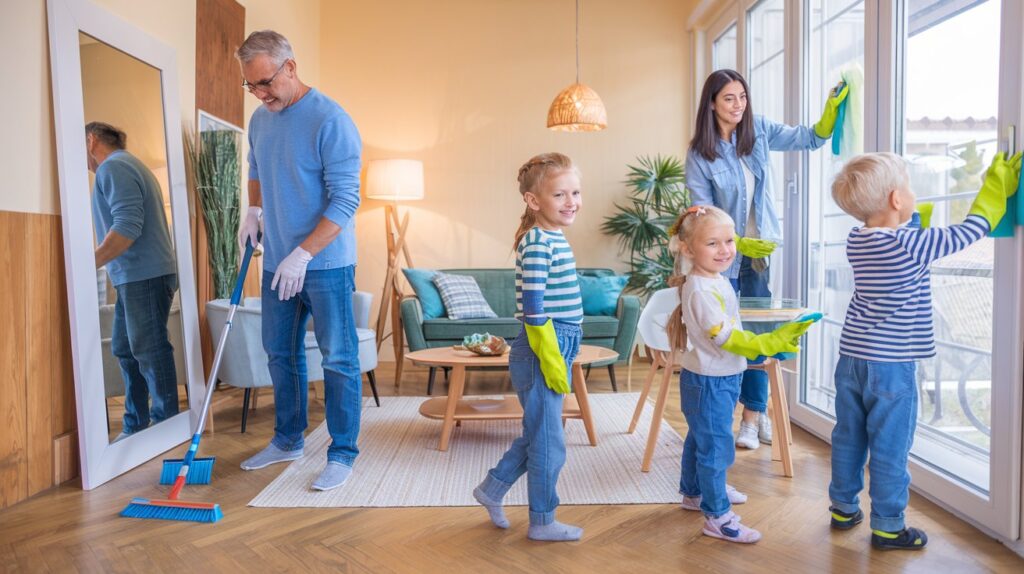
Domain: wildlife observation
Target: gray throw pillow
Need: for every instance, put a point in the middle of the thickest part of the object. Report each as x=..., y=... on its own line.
x=462, y=297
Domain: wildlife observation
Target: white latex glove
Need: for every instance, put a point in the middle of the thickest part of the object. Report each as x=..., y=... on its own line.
x=250, y=228
x=291, y=273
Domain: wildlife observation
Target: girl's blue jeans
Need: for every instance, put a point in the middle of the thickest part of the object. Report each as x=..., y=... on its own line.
x=708, y=452
x=540, y=452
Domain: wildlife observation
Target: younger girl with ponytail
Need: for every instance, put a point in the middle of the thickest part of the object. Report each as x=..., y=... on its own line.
x=540, y=361
x=703, y=239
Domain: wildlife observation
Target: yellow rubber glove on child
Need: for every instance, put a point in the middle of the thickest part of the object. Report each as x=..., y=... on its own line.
x=781, y=340
x=827, y=123
x=544, y=343
x=1000, y=184
x=925, y=211
x=754, y=248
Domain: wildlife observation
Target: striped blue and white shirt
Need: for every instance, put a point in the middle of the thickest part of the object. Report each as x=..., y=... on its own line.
x=890, y=315
x=546, y=282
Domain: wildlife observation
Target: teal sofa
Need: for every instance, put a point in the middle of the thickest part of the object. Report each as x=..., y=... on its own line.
x=498, y=286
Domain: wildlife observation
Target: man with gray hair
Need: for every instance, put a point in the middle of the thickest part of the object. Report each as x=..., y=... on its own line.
x=304, y=163
x=135, y=247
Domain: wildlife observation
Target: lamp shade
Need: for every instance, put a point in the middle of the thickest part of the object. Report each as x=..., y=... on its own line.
x=577, y=108
x=394, y=179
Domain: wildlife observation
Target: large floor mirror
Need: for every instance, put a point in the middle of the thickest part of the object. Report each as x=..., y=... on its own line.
x=127, y=248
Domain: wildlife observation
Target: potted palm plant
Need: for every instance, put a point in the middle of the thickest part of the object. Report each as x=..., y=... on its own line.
x=656, y=196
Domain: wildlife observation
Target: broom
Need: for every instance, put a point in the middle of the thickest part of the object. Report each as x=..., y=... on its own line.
x=172, y=508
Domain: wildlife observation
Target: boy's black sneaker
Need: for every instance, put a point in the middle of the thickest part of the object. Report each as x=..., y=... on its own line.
x=906, y=539
x=844, y=521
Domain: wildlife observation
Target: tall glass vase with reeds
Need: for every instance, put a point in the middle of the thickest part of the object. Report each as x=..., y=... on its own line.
x=212, y=160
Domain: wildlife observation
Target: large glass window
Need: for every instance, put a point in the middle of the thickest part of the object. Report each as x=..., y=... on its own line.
x=836, y=35
x=766, y=78
x=948, y=135
x=723, y=50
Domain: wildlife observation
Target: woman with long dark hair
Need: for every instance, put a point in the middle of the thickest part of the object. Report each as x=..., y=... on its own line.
x=728, y=166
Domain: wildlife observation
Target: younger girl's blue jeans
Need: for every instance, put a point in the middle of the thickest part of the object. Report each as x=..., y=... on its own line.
x=540, y=452
x=708, y=452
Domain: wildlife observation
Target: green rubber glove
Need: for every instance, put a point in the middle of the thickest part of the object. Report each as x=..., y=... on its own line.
x=827, y=123
x=781, y=340
x=925, y=210
x=544, y=343
x=1000, y=183
x=754, y=248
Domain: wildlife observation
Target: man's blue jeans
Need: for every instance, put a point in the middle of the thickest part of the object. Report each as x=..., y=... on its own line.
x=708, y=451
x=138, y=339
x=327, y=295
x=876, y=414
x=751, y=283
x=540, y=452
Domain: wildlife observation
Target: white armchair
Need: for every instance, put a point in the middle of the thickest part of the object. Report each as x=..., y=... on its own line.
x=244, y=364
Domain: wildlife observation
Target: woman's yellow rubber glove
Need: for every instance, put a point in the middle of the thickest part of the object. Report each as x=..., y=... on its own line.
x=544, y=343
x=754, y=248
x=827, y=123
x=781, y=340
x=1000, y=184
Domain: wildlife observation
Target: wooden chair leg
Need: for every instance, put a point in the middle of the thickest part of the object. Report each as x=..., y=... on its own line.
x=373, y=386
x=255, y=397
x=611, y=375
x=656, y=417
x=245, y=408
x=643, y=395
x=430, y=380
x=782, y=432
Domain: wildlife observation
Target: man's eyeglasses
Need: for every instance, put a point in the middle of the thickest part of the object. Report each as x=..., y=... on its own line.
x=262, y=85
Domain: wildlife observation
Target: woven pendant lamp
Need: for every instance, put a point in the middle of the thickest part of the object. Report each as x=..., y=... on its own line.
x=577, y=108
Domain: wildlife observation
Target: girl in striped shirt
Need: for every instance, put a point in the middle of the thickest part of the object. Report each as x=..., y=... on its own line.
x=540, y=361
x=888, y=328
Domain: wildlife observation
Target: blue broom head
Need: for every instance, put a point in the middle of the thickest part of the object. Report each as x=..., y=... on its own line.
x=199, y=472
x=173, y=510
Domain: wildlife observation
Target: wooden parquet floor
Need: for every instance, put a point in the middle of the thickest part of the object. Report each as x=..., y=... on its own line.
x=68, y=530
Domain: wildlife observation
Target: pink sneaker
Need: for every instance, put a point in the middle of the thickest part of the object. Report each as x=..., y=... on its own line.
x=735, y=497
x=728, y=527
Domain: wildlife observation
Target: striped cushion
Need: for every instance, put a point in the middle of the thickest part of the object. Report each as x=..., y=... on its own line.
x=462, y=297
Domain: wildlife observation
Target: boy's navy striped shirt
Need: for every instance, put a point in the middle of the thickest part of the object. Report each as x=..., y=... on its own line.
x=546, y=282
x=890, y=314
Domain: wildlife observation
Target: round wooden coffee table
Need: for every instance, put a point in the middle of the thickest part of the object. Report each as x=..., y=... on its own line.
x=454, y=408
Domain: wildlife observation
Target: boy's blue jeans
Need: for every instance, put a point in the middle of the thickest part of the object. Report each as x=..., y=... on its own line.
x=752, y=283
x=876, y=413
x=708, y=452
x=327, y=294
x=139, y=340
x=540, y=452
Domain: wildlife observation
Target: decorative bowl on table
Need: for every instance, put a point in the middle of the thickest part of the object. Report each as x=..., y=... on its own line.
x=484, y=344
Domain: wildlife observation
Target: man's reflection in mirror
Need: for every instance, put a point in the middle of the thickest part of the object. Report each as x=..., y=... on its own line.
x=135, y=246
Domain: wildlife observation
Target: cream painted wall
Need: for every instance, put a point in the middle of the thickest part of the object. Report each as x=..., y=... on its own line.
x=465, y=85
x=29, y=161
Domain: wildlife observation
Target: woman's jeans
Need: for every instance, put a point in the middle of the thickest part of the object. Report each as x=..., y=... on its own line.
x=540, y=452
x=876, y=413
x=751, y=283
x=327, y=295
x=139, y=340
x=708, y=452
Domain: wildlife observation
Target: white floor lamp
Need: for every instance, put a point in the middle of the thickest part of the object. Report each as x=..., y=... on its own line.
x=394, y=180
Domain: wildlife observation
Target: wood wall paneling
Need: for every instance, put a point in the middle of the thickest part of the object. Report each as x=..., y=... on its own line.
x=220, y=29
x=37, y=392
x=13, y=390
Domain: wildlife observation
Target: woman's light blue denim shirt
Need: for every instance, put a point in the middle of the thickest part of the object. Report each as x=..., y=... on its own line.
x=721, y=182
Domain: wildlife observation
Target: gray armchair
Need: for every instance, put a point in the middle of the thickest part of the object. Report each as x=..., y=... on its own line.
x=244, y=364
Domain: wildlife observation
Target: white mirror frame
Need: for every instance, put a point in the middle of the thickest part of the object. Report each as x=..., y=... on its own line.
x=102, y=460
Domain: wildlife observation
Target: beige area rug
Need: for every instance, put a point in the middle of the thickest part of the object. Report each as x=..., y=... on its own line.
x=399, y=464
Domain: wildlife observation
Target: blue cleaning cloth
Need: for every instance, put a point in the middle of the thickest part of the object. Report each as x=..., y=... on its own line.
x=1014, y=214
x=837, y=132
